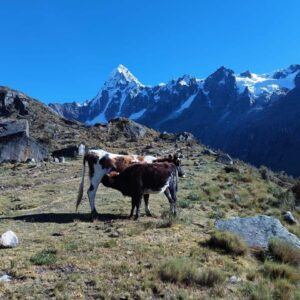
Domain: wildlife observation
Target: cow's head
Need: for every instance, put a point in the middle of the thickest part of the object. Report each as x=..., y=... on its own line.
x=109, y=179
x=174, y=158
x=107, y=163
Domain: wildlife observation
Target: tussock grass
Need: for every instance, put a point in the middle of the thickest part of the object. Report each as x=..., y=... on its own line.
x=45, y=257
x=227, y=242
x=284, y=290
x=184, y=271
x=275, y=270
x=257, y=291
x=284, y=252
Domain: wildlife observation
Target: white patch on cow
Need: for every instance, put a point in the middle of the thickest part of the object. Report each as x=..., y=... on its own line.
x=149, y=158
x=161, y=190
x=99, y=172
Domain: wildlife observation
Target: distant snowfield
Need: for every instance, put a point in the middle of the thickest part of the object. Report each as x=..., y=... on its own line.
x=259, y=84
x=137, y=115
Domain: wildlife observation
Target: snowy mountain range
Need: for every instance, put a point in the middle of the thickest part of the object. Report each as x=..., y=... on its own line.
x=222, y=110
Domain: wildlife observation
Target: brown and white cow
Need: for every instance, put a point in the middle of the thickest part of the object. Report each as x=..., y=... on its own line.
x=143, y=179
x=101, y=162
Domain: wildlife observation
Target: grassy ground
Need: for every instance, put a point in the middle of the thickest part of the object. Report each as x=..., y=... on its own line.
x=63, y=255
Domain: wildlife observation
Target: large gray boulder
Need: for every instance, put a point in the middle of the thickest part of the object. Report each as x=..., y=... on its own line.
x=257, y=231
x=16, y=145
x=12, y=128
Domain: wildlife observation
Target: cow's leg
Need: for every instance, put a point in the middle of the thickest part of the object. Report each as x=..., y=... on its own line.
x=147, y=210
x=171, y=201
x=173, y=190
x=95, y=181
x=137, y=203
x=132, y=208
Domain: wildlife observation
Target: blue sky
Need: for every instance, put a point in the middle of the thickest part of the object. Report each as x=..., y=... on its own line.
x=63, y=50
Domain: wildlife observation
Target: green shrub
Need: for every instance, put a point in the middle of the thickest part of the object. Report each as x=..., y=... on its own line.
x=184, y=271
x=284, y=252
x=227, y=242
x=45, y=257
x=185, y=203
x=194, y=197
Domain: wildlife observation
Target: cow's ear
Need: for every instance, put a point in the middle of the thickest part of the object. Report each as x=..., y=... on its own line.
x=113, y=174
x=170, y=157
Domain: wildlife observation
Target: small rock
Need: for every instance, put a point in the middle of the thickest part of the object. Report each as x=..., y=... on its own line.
x=5, y=278
x=129, y=252
x=61, y=159
x=148, y=265
x=9, y=239
x=224, y=159
x=231, y=169
x=114, y=234
x=30, y=161
x=234, y=279
x=209, y=152
x=288, y=217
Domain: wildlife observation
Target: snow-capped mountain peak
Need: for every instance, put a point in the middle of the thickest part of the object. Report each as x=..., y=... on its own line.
x=121, y=77
x=123, y=95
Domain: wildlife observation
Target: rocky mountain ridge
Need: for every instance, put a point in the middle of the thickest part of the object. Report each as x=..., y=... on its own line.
x=238, y=113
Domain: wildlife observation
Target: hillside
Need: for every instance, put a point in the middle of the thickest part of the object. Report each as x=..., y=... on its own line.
x=64, y=255
x=238, y=113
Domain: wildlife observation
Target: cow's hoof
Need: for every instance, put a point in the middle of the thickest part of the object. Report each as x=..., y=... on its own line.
x=94, y=215
x=136, y=218
x=148, y=214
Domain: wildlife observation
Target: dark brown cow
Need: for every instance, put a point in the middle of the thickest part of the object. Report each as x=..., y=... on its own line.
x=139, y=180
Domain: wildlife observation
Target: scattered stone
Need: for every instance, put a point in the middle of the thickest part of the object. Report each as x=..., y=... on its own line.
x=166, y=136
x=8, y=240
x=257, y=231
x=288, y=217
x=61, y=159
x=224, y=159
x=5, y=278
x=230, y=169
x=30, y=161
x=123, y=152
x=148, y=265
x=234, y=279
x=209, y=152
x=114, y=234
x=185, y=136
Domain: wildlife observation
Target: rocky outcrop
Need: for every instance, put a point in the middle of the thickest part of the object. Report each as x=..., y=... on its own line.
x=257, y=231
x=252, y=117
x=16, y=145
x=125, y=127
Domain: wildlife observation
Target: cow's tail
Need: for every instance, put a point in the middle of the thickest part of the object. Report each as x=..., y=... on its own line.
x=80, y=191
